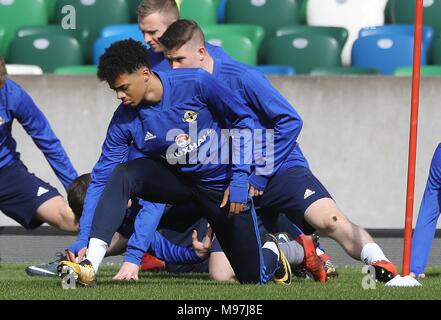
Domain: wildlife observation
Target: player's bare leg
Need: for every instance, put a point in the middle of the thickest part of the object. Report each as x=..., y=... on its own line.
x=220, y=268
x=324, y=216
x=58, y=214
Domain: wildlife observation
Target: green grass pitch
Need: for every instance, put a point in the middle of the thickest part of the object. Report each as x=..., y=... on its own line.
x=16, y=285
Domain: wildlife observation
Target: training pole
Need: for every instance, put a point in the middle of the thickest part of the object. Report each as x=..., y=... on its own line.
x=413, y=136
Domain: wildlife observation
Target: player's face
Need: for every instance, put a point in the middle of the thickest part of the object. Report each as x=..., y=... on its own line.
x=153, y=27
x=187, y=56
x=131, y=89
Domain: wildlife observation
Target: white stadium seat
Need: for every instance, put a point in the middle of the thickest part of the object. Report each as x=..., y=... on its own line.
x=350, y=14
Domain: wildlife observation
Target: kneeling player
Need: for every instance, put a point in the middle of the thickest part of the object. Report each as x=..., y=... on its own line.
x=24, y=197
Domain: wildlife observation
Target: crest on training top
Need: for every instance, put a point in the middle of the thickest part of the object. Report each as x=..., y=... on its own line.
x=190, y=116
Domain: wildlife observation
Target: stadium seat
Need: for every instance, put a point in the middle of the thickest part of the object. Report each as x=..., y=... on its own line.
x=282, y=12
x=93, y=15
x=403, y=11
x=239, y=47
x=302, y=13
x=76, y=70
x=204, y=12
x=80, y=35
x=349, y=14
x=253, y=32
x=23, y=69
x=404, y=29
x=385, y=53
x=18, y=13
x=130, y=30
x=221, y=10
x=435, y=50
x=388, y=13
x=338, y=33
x=304, y=53
x=2, y=37
x=342, y=71
x=48, y=52
x=50, y=7
x=101, y=44
x=426, y=71
x=133, y=5
x=276, y=70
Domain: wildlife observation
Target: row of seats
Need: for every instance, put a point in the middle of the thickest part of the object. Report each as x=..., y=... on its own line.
x=303, y=48
x=278, y=41
x=87, y=17
x=94, y=14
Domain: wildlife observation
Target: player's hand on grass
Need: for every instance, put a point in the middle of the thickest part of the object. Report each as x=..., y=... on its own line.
x=129, y=271
x=77, y=251
x=202, y=249
x=255, y=192
x=235, y=207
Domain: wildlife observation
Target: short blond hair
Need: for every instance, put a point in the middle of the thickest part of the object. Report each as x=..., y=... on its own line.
x=3, y=72
x=147, y=7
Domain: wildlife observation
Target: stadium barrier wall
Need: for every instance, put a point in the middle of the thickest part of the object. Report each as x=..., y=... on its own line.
x=355, y=134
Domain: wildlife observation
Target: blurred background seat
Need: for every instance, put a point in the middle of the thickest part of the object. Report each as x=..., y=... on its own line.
x=48, y=52
x=305, y=52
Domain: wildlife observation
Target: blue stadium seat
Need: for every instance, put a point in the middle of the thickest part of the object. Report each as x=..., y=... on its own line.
x=349, y=14
x=101, y=44
x=276, y=70
x=403, y=29
x=131, y=30
x=385, y=53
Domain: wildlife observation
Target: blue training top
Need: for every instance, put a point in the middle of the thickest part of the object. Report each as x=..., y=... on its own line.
x=427, y=218
x=269, y=111
x=190, y=97
x=15, y=103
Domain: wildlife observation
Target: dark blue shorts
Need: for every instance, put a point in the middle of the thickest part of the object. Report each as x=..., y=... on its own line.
x=292, y=191
x=21, y=193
